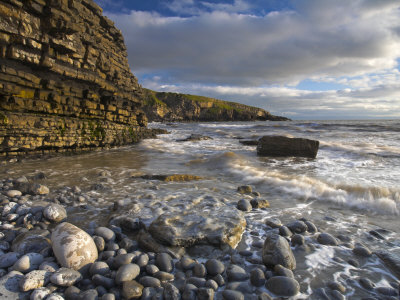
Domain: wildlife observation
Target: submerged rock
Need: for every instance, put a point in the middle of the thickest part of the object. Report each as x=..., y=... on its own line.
x=284, y=146
x=391, y=260
x=283, y=286
x=195, y=137
x=219, y=226
x=277, y=251
x=173, y=177
x=73, y=247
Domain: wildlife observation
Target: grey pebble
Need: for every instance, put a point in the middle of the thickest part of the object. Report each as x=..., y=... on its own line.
x=327, y=239
x=283, y=286
x=99, y=267
x=244, y=205
x=199, y=270
x=65, y=277
x=101, y=280
x=232, y=295
x=106, y=233
x=257, y=277
x=126, y=273
x=284, y=231
x=148, y=281
x=297, y=226
x=236, y=273
x=164, y=262
x=214, y=267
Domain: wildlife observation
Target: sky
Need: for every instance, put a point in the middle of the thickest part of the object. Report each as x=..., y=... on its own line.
x=303, y=59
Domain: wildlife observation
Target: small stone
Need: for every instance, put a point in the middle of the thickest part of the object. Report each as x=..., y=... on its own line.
x=298, y=239
x=257, y=277
x=164, y=276
x=152, y=269
x=297, y=226
x=73, y=247
x=232, y=295
x=327, y=239
x=311, y=227
x=259, y=203
x=367, y=284
x=49, y=266
x=283, y=286
x=28, y=262
x=205, y=294
x=127, y=273
x=100, y=243
x=103, y=281
x=211, y=284
x=99, y=267
x=196, y=281
x=72, y=293
x=148, y=281
x=57, y=296
x=40, y=293
x=34, y=279
x=108, y=296
x=65, y=277
x=361, y=250
x=199, y=270
x=123, y=259
x=9, y=286
x=8, y=259
x=214, y=267
x=241, y=286
x=353, y=263
x=236, y=273
x=164, y=262
x=39, y=189
x=142, y=260
x=277, y=251
x=264, y=296
x=187, y=263
x=90, y=294
x=284, y=231
x=244, y=205
x=245, y=189
x=219, y=280
x=282, y=271
x=106, y=233
x=273, y=223
x=387, y=291
x=171, y=292
x=333, y=285
x=13, y=193
x=55, y=213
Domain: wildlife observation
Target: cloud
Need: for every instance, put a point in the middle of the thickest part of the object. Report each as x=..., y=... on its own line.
x=320, y=38
x=229, y=51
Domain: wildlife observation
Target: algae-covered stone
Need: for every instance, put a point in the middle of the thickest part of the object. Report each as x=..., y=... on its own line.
x=73, y=247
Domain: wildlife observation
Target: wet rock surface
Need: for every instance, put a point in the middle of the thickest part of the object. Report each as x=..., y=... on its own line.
x=262, y=267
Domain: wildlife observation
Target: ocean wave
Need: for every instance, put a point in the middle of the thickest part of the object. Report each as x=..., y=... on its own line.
x=375, y=200
x=362, y=148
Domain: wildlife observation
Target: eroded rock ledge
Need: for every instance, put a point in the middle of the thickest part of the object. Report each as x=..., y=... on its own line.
x=65, y=81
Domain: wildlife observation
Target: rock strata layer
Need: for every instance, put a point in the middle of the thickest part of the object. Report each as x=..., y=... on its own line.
x=65, y=81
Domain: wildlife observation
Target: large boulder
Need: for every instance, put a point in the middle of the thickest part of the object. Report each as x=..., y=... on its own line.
x=284, y=146
x=220, y=226
x=277, y=251
x=73, y=247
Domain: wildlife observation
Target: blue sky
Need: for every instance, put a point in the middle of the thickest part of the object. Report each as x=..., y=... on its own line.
x=304, y=59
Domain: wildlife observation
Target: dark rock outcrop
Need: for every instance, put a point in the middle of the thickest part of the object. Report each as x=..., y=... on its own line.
x=284, y=146
x=65, y=81
x=169, y=107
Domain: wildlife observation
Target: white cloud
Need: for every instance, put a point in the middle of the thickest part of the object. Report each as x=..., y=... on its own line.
x=259, y=59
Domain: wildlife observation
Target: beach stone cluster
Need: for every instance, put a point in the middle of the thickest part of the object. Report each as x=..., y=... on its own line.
x=44, y=257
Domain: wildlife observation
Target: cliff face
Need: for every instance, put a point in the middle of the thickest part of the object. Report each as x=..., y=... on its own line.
x=160, y=106
x=65, y=81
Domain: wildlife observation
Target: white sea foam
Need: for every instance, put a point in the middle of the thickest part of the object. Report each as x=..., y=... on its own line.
x=374, y=199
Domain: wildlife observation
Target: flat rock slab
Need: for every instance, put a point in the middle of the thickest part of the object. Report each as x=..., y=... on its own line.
x=218, y=226
x=174, y=177
x=282, y=146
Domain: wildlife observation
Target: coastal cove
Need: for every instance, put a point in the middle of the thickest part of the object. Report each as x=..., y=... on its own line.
x=349, y=191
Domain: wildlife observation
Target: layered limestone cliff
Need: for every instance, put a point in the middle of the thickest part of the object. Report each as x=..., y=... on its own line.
x=65, y=81
x=161, y=106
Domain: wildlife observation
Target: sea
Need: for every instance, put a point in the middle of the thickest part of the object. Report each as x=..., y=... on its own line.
x=352, y=187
